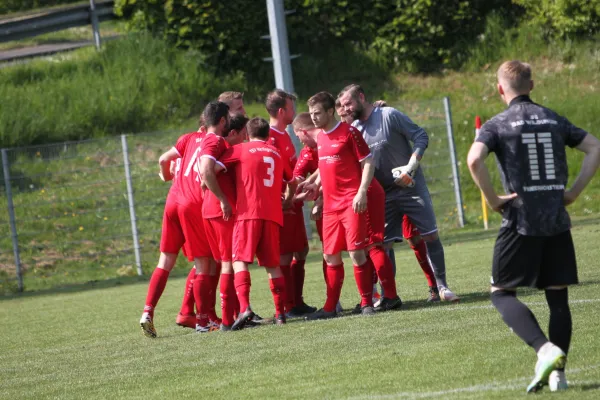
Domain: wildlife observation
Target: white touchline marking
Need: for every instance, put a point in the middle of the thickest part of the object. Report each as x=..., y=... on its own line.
x=485, y=387
x=459, y=308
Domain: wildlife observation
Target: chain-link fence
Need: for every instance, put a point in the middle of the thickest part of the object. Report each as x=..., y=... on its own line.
x=439, y=162
x=92, y=210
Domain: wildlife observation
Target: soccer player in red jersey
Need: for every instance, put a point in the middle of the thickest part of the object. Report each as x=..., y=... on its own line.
x=345, y=171
x=410, y=231
x=219, y=211
x=182, y=222
x=259, y=175
x=294, y=243
x=235, y=101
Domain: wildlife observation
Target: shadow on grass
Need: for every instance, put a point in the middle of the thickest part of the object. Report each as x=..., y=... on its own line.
x=590, y=386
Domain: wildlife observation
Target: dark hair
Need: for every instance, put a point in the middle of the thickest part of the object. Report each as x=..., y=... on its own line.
x=323, y=98
x=214, y=111
x=236, y=123
x=354, y=91
x=276, y=100
x=258, y=128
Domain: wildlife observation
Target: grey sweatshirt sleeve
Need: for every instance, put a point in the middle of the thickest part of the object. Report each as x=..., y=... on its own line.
x=413, y=132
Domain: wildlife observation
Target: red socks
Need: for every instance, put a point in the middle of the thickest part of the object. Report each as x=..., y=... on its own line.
x=202, y=285
x=212, y=297
x=187, y=306
x=289, y=286
x=363, y=275
x=227, y=299
x=335, y=280
x=242, y=289
x=385, y=271
x=298, y=273
x=278, y=287
x=325, y=271
x=421, y=253
x=158, y=281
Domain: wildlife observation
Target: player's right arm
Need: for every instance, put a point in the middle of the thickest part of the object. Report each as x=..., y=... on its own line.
x=164, y=162
x=415, y=134
x=209, y=178
x=590, y=145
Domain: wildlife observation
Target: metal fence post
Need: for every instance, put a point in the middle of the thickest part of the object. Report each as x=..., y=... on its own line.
x=134, y=231
x=95, y=24
x=12, y=219
x=452, y=148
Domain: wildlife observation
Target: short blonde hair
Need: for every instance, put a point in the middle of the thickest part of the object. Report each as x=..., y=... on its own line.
x=303, y=121
x=228, y=97
x=517, y=75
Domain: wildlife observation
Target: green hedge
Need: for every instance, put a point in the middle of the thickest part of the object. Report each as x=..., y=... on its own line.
x=409, y=34
x=564, y=18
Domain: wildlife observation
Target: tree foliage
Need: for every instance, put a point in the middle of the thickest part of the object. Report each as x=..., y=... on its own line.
x=564, y=18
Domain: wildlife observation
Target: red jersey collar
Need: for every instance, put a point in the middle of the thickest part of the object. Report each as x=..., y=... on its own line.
x=333, y=129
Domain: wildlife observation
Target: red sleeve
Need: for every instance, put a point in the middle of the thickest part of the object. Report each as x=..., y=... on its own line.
x=231, y=156
x=360, y=147
x=288, y=174
x=213, y=147
x=303, y=165
x=181, y=143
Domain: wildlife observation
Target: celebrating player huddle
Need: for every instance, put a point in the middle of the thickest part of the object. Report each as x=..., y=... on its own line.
x=238, y=192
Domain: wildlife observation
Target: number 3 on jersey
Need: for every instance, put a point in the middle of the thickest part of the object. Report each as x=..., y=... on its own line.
x=270, y=171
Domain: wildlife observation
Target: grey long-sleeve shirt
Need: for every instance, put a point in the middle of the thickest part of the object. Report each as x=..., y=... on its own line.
x=388, y=132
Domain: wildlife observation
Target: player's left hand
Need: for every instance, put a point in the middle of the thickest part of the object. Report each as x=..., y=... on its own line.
x=404, y=177
x=226, y=208
x=359, y=203
x=311, y=190
x=569, y=198
x=499, y=202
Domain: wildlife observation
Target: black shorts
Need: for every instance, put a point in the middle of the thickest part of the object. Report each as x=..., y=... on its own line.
x=533, y=261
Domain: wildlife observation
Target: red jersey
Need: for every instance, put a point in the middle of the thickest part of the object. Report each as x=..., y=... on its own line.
x=259, y=176
x=283, y=142
x=181, y=141
x=188, y=175
x=307, y=163
x=213, y=147
x=340, y=152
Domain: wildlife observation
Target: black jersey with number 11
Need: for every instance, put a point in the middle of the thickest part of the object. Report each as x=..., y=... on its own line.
x=529, y=142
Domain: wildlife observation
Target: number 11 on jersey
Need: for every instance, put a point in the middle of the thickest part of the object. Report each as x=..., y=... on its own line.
x=532, y=140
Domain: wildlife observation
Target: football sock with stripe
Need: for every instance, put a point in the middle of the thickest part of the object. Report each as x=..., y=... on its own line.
x=420, y=250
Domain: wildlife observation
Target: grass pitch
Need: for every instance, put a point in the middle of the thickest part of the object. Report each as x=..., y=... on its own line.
x=88, y=344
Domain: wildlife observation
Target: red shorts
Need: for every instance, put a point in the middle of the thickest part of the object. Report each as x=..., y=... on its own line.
x=344, y=230
x=319, y=224
x=171, y=238
x=192, y=224
x=220, y=237
x=256, y=237
x=292, y=236
x=375, y=213
x=408, y=228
